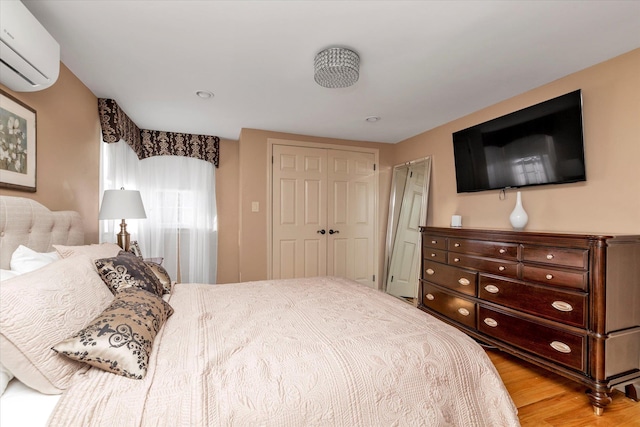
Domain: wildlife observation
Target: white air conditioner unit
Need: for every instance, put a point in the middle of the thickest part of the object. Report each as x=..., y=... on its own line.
x=29, y=56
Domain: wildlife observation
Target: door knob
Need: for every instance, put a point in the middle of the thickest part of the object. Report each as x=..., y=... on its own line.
x=334, y=231
x=321, y=231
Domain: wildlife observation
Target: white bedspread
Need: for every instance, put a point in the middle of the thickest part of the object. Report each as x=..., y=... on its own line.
x=306, y=352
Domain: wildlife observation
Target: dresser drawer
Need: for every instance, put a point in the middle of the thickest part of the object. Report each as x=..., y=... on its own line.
x=454, y=307
x=556, y=277
x=451, y=277
x=560, y=346
x=501, y=267
x=435, y=255
x=435, y=242
x=566, y=307
x=566, y=257
x=486, y=249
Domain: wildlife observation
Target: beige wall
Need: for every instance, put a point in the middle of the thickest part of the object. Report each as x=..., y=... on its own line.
x=68, y=149
x=254, y=188
x=227, y=200
x=608, y=202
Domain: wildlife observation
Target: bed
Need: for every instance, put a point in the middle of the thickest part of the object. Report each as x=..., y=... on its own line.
x=322, y=351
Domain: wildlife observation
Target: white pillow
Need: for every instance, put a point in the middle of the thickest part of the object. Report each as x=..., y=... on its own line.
x=7, y=274
x=93, y=251
x=24, y=260
x=42, y=308
x=5, y=377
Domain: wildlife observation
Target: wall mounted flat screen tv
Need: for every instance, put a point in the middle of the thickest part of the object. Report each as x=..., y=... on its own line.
x=541, y=144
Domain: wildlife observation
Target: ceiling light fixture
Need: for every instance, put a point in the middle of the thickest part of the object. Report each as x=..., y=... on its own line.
x=204, y=94
x=336, y=67
x=372, y=119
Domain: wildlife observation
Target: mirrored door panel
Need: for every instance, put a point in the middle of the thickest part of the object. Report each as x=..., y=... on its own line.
x=407, y=212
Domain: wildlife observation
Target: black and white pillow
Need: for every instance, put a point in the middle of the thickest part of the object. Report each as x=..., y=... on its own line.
x=134, y=248
x=127, y=270
x=120, y=339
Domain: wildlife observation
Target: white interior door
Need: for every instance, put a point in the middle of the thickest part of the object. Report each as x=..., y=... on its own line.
x=403, y=270
x=299, y=212
x=323, y=220
x=351, y=210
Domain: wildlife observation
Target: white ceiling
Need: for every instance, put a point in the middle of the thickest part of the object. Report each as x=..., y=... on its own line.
x=423, y=63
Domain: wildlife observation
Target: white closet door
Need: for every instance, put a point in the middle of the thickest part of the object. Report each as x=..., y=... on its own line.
x=299, y=212
x=351, y=213
x=323, y=213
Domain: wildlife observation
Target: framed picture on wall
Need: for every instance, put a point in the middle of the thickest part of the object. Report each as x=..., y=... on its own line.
x=17, y=144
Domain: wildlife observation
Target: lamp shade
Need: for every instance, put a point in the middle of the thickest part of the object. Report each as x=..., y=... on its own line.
x=121, y=204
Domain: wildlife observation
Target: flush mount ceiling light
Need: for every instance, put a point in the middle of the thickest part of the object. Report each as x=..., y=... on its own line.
x=336, y=67
x=204, y=94
x=372, y=119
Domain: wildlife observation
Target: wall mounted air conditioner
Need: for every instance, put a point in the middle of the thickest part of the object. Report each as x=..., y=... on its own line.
x=29, y=56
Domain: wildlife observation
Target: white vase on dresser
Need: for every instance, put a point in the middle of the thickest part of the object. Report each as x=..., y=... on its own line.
x=518, y=217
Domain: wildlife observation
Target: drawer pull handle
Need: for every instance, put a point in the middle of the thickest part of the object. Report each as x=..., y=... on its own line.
x=503, y=251
x=550, y=256
x=456, y=260
x=502, y=268
x=492, y=289
x=549, y=276
x=562, y=306
x=463, y=311
x=560, y=346
x=430, y=271
x=490, y=322
x=433, y=255
x=464, y=282
x=430, y=297
x=457, y=245
x=433, y=242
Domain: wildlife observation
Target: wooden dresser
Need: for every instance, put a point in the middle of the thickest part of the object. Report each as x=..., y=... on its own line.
x=567, y=302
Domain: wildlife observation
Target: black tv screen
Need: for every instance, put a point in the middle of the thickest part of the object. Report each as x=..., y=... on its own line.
x=541, y=144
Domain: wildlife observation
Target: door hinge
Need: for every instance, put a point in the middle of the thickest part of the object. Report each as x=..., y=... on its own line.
x=411, y=174
x=392, y=278
x=374, y=277
x=374, y=166
x=271, y=159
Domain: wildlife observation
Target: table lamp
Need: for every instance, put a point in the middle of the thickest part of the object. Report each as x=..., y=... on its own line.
x=122, y=204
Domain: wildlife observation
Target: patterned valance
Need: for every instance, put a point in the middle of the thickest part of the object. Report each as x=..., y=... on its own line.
x=157, y=143
x=116, y=125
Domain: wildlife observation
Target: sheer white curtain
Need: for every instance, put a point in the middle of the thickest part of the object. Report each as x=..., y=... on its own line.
x=179, y=198
x=119, y=168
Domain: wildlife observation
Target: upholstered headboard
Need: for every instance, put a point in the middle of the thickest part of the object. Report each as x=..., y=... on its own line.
x=27, y=222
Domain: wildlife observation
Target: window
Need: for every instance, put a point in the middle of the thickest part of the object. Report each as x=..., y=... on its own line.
x=179, y=198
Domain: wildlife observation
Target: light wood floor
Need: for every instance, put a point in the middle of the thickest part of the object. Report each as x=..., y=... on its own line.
x=545, y=399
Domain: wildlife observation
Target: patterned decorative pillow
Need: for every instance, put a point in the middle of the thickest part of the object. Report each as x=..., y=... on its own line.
x=162, y=274
x=121, y=338
x=127, y=270
x=134, y=248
